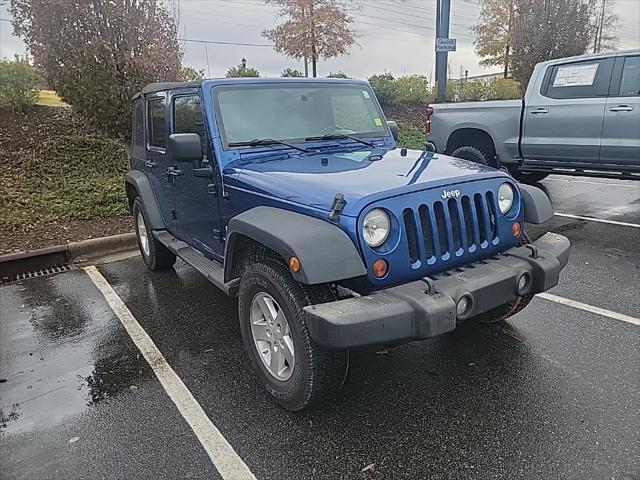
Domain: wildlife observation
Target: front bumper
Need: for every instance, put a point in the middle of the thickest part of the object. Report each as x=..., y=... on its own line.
x=427, y=307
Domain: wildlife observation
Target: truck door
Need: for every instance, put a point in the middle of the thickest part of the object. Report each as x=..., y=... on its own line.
x=156, y=162
x=563, y=121
x=195, y=197
x=621, y=130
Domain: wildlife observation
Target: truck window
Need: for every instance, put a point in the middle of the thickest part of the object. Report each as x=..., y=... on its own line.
x=157, y=123
x=137, y=141
x=187, y=117
x=630, y=83
x=583, y=79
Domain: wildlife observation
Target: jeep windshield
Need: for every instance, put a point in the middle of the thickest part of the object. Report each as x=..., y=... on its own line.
x=297, y=112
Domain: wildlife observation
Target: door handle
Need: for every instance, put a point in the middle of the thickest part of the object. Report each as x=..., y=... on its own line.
x=539, y=111
x=621, y=108
x=150, y=164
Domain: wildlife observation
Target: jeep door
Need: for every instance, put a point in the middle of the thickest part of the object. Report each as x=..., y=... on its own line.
x=621, y=131
x=195, y=197
x=156, y=163
x=562, y=122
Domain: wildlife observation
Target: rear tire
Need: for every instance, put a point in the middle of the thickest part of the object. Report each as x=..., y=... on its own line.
x=527, y=177
x=154, y=254
x=501, y=313
x=480, y=155
x=309, y=373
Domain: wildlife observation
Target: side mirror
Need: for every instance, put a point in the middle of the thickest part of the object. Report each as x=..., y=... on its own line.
x=393, y=126
x=184, y=147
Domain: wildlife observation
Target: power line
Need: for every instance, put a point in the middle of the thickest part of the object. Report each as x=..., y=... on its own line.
x=219, y=42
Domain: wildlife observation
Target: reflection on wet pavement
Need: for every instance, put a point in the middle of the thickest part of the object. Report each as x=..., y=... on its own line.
x=67, y=353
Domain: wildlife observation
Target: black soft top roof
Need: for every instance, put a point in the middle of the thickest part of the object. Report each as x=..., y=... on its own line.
x=158, y=87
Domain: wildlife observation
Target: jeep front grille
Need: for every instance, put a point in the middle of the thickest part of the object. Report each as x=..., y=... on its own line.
x=449, y=228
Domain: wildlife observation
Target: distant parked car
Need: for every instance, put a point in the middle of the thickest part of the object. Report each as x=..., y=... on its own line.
x=579, y=116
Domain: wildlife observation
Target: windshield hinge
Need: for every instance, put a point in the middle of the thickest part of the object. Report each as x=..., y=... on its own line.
x=336, y=207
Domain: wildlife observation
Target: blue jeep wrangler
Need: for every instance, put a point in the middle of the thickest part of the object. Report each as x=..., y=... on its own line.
x=292, y=195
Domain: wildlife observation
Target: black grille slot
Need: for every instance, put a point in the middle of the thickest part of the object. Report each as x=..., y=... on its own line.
x=493, y=216
x=467, y=215
x=480, y=215
x=456, y=231
x=425, y=223
x=412, y=236
x=441, y=226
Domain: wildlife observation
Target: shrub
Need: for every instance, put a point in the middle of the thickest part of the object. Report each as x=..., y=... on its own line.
x=242, y=70
x=19, y=84
x=412, y=88
x=96, y=54
x=190, y=74
x=291, y=72
x=504, y=89
x=338, y=74
x=383, y=84
x=475, y=90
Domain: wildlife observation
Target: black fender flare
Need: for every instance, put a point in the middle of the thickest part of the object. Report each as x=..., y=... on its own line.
x=326, y=253
x=140, y=182
x=536, y=204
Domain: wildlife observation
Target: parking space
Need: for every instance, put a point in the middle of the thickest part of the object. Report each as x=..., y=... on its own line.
x=552, y=393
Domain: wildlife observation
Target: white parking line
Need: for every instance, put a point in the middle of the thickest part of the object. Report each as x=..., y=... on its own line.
x=599, y=220
x=224, y=458
x=590, y=308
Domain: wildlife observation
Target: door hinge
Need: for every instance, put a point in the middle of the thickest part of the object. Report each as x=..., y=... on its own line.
x=212, y=189
x=173, y=214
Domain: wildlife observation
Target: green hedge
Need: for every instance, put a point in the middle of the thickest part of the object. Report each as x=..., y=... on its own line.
x=19, y=84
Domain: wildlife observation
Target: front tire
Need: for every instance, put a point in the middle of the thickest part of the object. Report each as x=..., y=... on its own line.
x=295, y=371
x=154, y=254
x=501, y=313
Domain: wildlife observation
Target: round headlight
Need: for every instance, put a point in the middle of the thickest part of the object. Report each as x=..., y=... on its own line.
x=376, y=227
x=505, y=197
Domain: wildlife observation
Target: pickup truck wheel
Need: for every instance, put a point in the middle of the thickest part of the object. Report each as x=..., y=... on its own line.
x=505, y=311
x=480, y=155
x=295, y=371
x=154, y=254
x=527, y=177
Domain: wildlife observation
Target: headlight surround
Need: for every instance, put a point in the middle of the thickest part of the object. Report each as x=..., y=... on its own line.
x=376, y=227
x=506, y=194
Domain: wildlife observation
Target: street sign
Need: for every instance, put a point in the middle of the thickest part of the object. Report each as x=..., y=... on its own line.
x=445, y=44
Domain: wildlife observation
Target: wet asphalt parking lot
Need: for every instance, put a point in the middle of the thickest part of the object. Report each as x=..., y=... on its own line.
x=554, y=393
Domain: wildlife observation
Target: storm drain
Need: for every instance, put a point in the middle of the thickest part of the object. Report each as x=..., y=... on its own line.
x=36, y=273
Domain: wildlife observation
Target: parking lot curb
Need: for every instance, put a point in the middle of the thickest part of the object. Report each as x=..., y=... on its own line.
x=14, y=264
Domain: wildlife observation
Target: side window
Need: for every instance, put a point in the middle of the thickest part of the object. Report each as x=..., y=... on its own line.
x=137, y=140
x=187, y=117
x=584, y=79
x=157, y=123
x=630, y=82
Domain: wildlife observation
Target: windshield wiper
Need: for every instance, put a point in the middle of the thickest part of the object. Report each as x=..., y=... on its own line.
x=257, y=142
x=338, y=136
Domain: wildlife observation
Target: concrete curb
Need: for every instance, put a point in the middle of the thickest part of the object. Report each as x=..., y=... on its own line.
x=13, y=264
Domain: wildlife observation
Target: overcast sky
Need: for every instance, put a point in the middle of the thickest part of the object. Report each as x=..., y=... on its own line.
x=393, y=35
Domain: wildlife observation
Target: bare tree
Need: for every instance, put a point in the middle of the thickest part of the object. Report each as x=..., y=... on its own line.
x=605, y=23
x=312, y=29
x=494, y=32
x=549, y=29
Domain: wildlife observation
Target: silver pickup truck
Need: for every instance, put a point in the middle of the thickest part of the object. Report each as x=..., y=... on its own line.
x=579, y=116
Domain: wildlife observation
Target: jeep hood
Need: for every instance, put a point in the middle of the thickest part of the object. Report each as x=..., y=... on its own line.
x=363, y=176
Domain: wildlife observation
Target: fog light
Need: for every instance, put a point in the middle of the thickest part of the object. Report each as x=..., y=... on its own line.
x=463, y=306
x=524, y=283
x=380, y=268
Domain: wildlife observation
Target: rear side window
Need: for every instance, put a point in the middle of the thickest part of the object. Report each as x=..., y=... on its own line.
x=137, y=141
x=157, y=123
x=588, y=78
x=630, y=82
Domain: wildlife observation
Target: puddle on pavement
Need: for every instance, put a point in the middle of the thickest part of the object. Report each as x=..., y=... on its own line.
x=62, y=352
